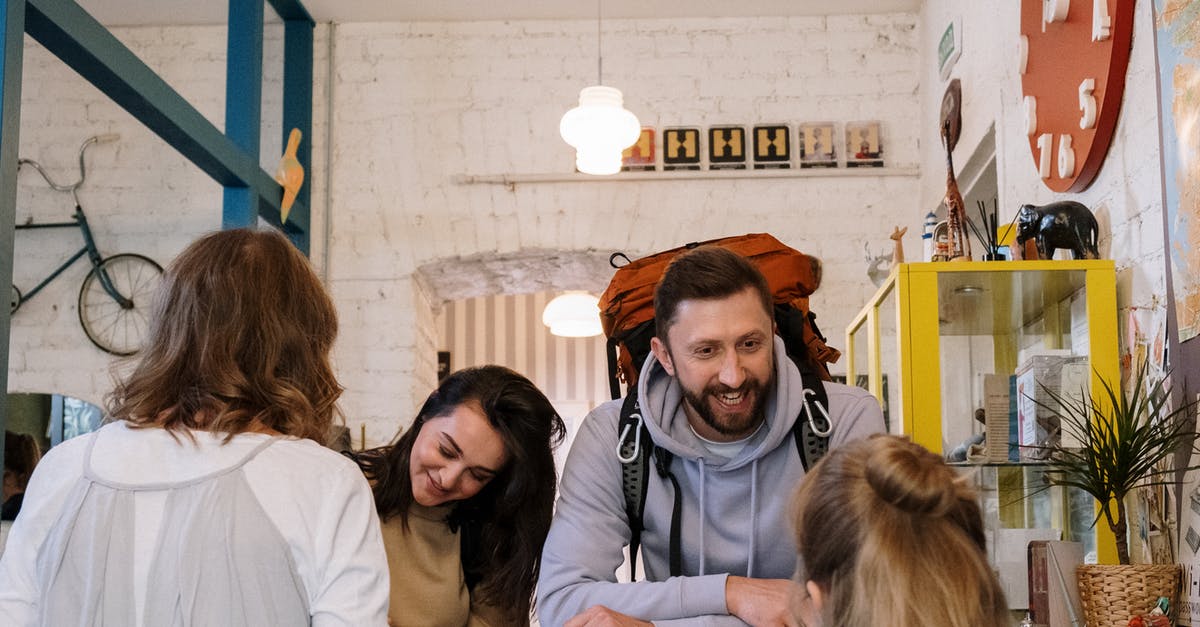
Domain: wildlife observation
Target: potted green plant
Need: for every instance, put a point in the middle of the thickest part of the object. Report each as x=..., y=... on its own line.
x=1124, y=440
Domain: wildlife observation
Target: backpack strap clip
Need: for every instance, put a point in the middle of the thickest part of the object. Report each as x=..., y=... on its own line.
x=627, y=452
x=812, y=442
x=825, y=430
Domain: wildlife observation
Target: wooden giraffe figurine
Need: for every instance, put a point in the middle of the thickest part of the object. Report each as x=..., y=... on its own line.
x=956, y=215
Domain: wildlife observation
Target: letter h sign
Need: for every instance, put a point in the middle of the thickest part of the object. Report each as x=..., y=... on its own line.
x=772, y=146
x=727, y=147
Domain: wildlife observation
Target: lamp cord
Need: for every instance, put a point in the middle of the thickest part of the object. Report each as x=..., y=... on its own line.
x=599, y=53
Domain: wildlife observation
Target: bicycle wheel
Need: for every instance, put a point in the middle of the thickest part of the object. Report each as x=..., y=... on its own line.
x=110, y=326
x=16, y=300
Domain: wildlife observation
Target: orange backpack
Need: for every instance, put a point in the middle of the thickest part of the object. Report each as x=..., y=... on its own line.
x=627, y=306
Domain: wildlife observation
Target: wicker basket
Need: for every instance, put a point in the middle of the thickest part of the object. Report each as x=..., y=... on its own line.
x=1111, y=595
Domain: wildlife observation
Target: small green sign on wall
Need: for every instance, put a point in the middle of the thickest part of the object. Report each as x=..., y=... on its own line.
x=950, y=47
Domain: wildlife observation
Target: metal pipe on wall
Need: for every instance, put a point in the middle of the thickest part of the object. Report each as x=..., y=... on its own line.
x=326, y=218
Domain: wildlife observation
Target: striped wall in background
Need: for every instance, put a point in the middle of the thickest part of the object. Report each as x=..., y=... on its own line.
x=508, y=330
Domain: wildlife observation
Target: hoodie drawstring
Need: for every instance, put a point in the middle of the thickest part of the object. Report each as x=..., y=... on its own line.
x=703, y=515
x=753, y=514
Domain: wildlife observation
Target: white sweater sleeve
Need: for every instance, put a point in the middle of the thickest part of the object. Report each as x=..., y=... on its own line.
x=352, y=588
x=51, y=483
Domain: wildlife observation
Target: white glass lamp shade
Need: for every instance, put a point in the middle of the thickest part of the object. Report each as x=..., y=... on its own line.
x=574, y=314
x=599, y=129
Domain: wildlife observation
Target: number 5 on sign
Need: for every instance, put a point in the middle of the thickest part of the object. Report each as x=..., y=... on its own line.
x=1087, y=103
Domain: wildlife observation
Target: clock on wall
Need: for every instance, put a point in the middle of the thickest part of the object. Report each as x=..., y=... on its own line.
x=1073, y=56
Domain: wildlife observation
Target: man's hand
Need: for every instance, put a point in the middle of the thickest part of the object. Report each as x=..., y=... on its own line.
x=763, y=602
x=600, y=616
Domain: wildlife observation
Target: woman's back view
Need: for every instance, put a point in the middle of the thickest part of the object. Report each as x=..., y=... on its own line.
x=208, y=501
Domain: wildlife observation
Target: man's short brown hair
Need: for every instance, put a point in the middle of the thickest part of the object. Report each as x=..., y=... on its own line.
x=705, y=273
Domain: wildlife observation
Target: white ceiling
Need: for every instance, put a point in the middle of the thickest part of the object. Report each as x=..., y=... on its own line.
x=145, y=12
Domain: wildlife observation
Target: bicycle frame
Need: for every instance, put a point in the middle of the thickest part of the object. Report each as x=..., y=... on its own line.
x=89, y=248
x=80, y=220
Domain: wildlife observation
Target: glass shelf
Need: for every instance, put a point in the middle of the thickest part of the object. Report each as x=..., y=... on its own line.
x=1018, y=496
x=949, y=336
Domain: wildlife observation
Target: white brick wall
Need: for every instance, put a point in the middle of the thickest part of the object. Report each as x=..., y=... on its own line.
x=140, y=196
x=417, y=105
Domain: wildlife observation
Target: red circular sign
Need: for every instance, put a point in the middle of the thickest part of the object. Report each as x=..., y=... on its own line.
x=1073, y=56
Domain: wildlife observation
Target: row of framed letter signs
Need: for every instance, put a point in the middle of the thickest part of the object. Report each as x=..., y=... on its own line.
x=765, y=146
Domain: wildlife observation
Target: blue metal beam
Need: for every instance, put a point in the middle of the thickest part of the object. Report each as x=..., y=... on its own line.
x=12, y=50
x=297, y=109
x=291, y=11
x=243, y=102
x=67, y=31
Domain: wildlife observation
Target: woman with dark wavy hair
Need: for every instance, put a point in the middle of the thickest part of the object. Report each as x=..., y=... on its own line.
x=208, y=499
x=466, y=495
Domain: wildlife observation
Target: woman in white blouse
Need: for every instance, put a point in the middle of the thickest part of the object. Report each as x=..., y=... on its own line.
x=208, y=499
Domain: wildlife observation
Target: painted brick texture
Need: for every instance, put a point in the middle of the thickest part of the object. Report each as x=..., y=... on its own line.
x=413, y=107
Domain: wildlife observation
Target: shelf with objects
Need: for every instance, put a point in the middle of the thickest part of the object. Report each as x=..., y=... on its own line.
x=959, y=351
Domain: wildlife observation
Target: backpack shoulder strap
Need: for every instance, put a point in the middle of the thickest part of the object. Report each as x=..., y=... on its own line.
x=662, y=462
x=633, y=450
x=614, y=383
x=813, y=425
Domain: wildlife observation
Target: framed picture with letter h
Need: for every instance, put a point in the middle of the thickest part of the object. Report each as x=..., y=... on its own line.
x=817, y=145
x=640, y=156
x=681, y=148
x=727, y=148
x=772, y=146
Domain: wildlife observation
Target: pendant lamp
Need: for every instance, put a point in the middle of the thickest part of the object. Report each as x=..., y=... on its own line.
x=600, y=128
x=573, y=314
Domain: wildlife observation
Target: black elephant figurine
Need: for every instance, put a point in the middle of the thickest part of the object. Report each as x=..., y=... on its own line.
x=1063, y=224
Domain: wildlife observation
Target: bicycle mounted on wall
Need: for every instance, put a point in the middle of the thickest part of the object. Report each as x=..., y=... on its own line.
x=115, y=297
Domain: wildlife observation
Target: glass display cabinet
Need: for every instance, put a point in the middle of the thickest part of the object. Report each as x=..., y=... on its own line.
x=956, y=350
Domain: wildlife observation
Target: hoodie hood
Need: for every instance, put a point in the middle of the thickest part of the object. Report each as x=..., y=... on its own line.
x=661, y=401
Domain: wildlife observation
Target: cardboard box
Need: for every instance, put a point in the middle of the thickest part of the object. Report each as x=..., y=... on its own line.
x=996, y=417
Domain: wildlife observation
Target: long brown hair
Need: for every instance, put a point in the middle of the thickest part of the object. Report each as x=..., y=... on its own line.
x=894, y=536
x=506, y=523
x=240, y=337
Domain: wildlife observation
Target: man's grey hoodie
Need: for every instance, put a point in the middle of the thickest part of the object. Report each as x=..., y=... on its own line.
x=735, y=512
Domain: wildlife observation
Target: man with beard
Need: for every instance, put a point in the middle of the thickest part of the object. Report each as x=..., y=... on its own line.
x=718, y=392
